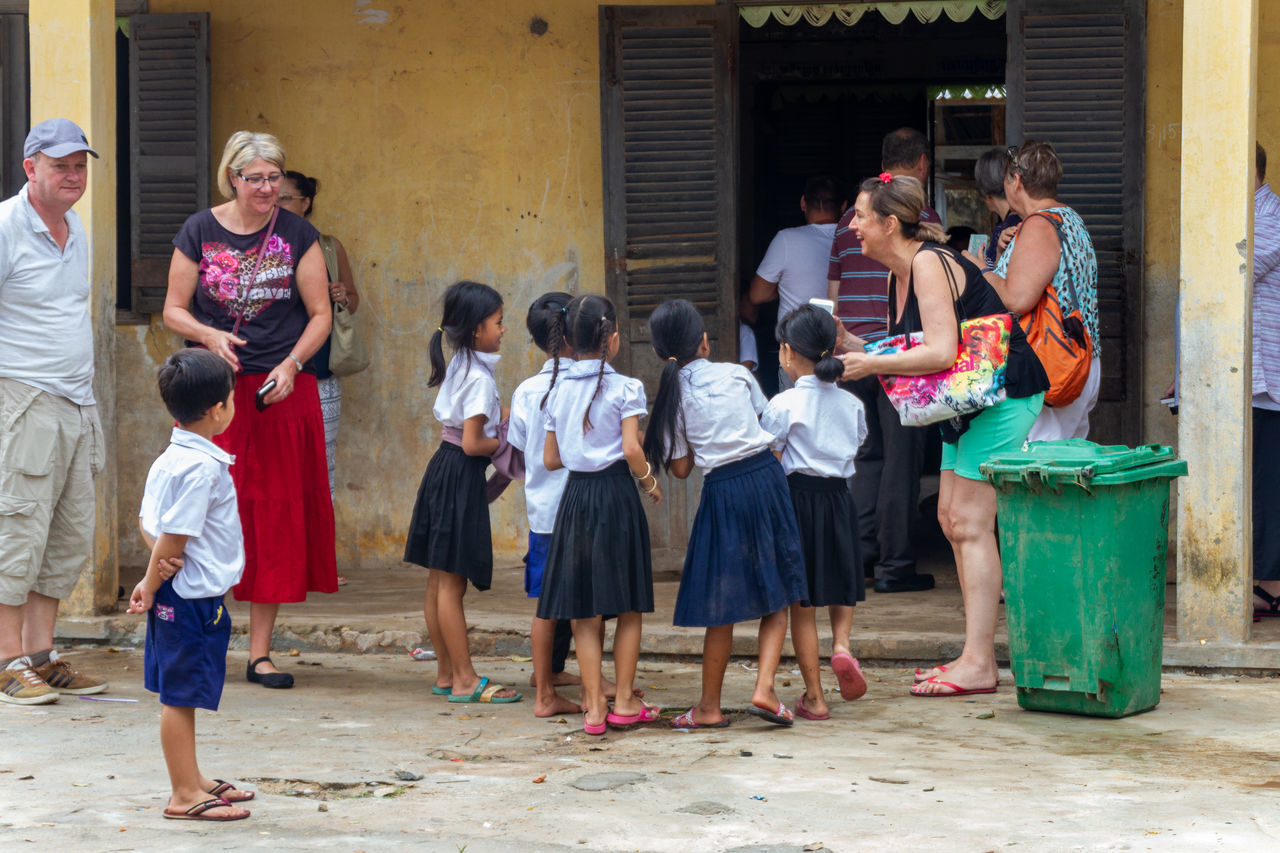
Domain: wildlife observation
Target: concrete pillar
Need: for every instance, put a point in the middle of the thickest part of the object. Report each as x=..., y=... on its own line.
x=73, y=75
x=1219, y=73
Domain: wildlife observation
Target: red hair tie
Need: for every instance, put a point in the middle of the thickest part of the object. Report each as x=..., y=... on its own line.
x=885, y=177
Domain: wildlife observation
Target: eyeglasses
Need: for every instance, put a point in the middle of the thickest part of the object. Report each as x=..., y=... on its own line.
x=255, y=181
x=288, y=199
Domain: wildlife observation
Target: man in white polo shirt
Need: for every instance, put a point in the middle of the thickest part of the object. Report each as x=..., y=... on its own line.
x=51, y=443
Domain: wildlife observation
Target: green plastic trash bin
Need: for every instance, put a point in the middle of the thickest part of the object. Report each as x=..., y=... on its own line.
x=1083, y=540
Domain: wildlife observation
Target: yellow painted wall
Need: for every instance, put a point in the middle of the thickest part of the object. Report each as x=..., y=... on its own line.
x=451, y=141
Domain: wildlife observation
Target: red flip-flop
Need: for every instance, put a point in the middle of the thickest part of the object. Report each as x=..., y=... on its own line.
x=853, y=685
x=925, y=673
x=802, y=710
x=956, y=690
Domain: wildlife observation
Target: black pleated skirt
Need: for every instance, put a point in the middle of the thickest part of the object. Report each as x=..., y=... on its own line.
x=1266, y=503
x=829, y=537
x=744, y=559
x=598, y=562
x=449, y=529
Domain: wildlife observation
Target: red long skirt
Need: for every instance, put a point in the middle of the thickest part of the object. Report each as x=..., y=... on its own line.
x=282, y=486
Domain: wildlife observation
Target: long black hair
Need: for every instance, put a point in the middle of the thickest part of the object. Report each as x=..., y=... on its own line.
x=589, y=320
x=545, y=322
x=811, y=332
x=676, y=330
x=466, y=305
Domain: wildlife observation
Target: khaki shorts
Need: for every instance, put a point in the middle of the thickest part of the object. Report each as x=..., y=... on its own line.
x=50, y=450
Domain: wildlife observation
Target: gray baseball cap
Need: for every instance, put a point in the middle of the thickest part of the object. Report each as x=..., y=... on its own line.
x=56, y=137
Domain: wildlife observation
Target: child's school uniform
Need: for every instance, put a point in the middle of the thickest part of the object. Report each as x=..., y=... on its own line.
x=744, y=558
x=598, y=562
x=542, y=488
x=819, y=428
x=449, y=529
x=189, y=492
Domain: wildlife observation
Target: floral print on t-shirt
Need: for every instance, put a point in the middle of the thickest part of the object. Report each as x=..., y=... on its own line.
x=224, y=274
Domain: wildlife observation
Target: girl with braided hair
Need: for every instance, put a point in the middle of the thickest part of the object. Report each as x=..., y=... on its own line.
x=598, y=561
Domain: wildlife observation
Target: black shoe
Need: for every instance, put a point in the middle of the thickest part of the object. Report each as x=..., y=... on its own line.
x=279, y=680
x=914, y=583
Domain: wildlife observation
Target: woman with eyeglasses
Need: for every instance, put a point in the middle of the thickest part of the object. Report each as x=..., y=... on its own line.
x=249, y=284
x=1050, y=247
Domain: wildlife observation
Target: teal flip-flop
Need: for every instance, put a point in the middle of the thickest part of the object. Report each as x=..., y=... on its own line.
x=486, y=693
x=437, y=690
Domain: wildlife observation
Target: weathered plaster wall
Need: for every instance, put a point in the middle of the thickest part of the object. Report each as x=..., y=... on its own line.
x=1164, y=151
x=451, y=141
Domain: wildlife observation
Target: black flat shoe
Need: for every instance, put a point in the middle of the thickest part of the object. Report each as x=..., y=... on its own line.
x=278, y=680
x=915, y=583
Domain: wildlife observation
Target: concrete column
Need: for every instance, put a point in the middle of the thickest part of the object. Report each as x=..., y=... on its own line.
x=1215, y=564
x=73, y=75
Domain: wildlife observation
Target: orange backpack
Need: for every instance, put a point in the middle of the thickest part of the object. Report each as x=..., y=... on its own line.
x=1061, y=343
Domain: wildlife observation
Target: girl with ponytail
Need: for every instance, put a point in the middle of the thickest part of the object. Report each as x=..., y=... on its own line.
x=744, y=560
x=817, y=429
x=449, y=530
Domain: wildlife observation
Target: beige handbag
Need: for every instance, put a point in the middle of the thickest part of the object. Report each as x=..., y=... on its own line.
x=347, y=353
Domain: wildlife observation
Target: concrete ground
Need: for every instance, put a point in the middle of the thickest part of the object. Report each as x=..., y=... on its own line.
x=336, y=763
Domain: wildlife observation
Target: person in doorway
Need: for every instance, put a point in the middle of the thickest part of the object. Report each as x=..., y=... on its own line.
x=298, y=196
x=794, y=267
x=51, y=444
x=1266, y=392
x=1050, y=247
x=248, y=284
x=886, y=482
x=988, y=174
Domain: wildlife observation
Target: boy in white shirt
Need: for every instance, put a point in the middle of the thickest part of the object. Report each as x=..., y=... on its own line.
x=189, y=518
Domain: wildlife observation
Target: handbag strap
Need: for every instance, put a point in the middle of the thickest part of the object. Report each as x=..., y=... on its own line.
x=257, y=264
x=943, y=258
x=330, y=251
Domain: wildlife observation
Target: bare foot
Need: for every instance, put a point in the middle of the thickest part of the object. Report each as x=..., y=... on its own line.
x=558, y=679
x=611, y=690
x=184, y=810
x=766, y=699
x=814, y=705
x=960, y=677
x=555, y=707
x=926, y=674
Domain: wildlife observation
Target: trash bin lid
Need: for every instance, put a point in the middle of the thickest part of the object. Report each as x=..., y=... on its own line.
x=1084, y=463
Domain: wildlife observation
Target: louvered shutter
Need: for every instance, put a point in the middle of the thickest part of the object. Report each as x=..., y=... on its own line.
x=168, y=141
x=669, y=141
x=1076, y=73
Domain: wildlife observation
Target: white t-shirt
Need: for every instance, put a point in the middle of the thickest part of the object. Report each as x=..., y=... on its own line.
x=797, y=260
x=747, y=349
x=817, y=426
x=620, y=397
x=719, y=417
x=469, y=390
x=189, y=493
x=46, y=337
x=527, y=430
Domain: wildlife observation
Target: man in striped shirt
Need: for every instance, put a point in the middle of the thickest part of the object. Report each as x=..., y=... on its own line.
x=1266, y=393
x=886, y=484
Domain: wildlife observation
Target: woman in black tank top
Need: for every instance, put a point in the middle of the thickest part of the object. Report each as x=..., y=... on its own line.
x=887, y=220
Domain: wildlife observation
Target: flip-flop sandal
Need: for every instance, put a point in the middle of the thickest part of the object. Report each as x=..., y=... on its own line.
x=487, y=694
x=685, y=721
x=437, y=690
x=956, y=690
x=647, y=714
x=922, y=675
x=780, y=717
x=197, y=812
x=802, y=710
x=230, y=792
x=853, y=685
x=1273, y=603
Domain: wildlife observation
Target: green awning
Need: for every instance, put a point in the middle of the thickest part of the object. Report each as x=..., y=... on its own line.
x=926, y=11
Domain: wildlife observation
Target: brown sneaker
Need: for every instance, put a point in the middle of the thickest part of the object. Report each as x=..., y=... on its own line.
x=19, y=685
x=65, y=678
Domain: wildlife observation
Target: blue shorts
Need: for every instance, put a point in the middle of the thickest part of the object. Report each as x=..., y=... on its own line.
x=535, y=563
x=185, y=659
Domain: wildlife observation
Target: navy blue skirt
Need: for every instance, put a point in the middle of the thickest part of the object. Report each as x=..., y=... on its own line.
x=598, y=562
x=829, y=538
x=449, y=528
x=744, y=559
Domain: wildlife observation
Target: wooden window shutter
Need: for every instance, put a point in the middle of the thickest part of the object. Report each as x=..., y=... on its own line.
x=168, y=141
x=669, y=140
x=1076, y=77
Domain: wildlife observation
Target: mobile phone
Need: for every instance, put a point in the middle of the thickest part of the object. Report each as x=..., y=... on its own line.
x=978, y=244
x=825, y=304
x=262, y=394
